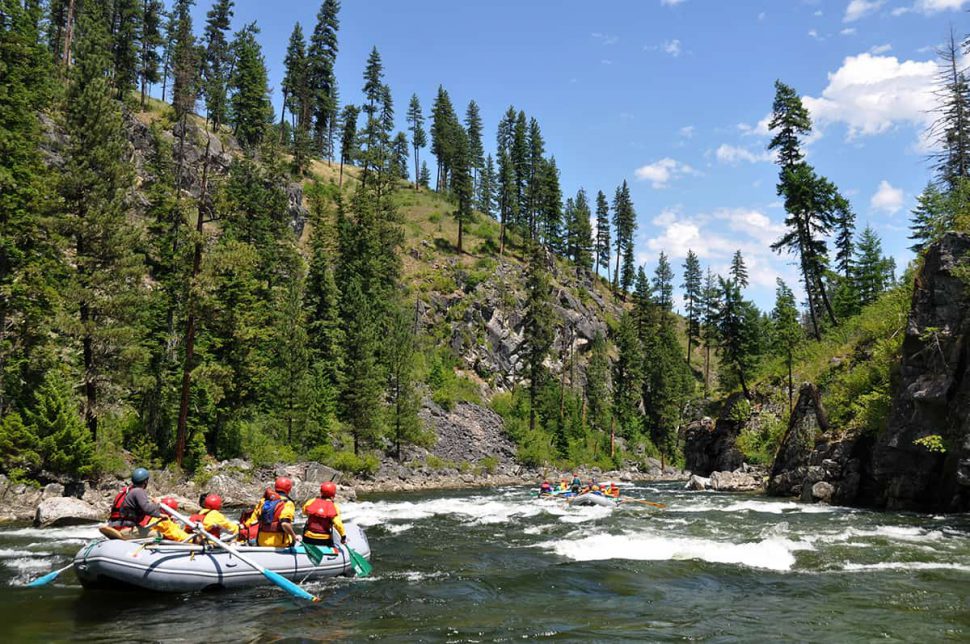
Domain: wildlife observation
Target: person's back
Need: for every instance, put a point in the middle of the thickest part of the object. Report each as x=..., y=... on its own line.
x=166, y=527
x=323, y=517
x=132, y=508
x=213, y=520
x=275, y=517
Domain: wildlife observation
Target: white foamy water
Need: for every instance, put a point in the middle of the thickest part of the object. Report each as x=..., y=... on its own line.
x=764, y=507
x=81, y=533
x=906, y=565
x=774, y=553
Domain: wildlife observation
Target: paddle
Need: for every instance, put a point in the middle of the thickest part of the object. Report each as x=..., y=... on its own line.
x=276, y=578
x=49, y=577
x=361, y=566
x=650, y=503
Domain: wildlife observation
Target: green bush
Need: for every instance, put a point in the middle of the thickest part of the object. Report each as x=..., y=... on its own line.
x=65, y=444
x=759, y=440
x=259, y=446
x=488, y=465
x=18, y=448
x=350, y=463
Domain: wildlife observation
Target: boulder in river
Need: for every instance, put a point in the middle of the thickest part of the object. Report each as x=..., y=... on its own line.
x=808, y=422
x=65, y=510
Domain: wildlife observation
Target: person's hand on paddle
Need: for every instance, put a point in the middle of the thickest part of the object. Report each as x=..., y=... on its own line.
x=343, y=540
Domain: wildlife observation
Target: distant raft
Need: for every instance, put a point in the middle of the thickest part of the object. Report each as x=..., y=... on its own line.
x=180, y=568
x=591, y=498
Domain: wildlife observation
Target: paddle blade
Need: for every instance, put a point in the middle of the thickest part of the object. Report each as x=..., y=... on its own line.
x=43, y=581
x=313, y=553
x=361, y=566
x=289, y=586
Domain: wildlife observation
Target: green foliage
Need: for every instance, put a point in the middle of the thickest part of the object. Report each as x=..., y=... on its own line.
x=18, y=447
x=933, y=443
x=447, y=387
x=759, y=440
x=489, y=464
x=350, y=463
x=64, y=443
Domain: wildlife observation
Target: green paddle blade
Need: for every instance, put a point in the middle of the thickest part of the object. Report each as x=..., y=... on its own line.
x=362, y=567
x=314, y=553
x=288, y=586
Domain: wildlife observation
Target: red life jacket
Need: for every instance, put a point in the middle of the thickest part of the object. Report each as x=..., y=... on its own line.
x=269, y=515
x=118, y=517
x=199, y=518
x=319, y=517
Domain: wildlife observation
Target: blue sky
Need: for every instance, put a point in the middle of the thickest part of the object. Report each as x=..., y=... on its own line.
x=670, y=95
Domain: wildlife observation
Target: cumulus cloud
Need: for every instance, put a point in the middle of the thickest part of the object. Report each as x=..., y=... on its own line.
x=936, y=6
x=671, y=47
x=671, y=3
x=887, y=198
x=871, y=94
x=687, y=131
x=860, y=8
x=848, y=31
x=661, y=173
x=733, y=155
x=880, y=49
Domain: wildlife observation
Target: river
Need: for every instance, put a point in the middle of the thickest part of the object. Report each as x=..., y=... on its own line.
x=499, y=565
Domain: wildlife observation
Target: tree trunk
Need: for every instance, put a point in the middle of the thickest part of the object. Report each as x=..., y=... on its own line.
x=282, y=118
x=459, y=234
x=707, y=370
x=616, y=274
x=417, y=171
x=68, y=35
x=612, y=436
x=90, y=391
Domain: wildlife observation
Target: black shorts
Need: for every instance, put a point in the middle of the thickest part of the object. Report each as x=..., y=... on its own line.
x=319, y=542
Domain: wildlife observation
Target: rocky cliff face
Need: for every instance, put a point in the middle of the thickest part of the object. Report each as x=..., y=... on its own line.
x=709, y=446
x=930, y=403
x=932, y=394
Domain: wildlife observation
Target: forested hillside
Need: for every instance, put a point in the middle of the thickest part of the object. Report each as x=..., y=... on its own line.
x=186, y=275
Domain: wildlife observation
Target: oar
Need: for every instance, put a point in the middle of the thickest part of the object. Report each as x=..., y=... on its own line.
x=276, y=578
x=650, y=503
x=361, y=566
x=49, y=577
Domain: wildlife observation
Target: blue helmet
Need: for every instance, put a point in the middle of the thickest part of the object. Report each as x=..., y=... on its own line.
x=140, y=475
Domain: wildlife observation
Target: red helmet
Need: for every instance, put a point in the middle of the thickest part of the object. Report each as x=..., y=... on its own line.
x=170, y=502
x=270, y=494
x=283, y=484
x=328, y=490
x=213, y=502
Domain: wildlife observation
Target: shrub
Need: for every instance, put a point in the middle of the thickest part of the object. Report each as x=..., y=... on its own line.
x=350, y=463
x=65, y=443
x=489, y=464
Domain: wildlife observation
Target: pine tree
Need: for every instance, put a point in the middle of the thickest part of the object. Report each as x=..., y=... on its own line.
x=322, y=297
x=710, y=309
x=30, y=254
x=473, y=127
x=65, y=445
x=425, y=180
x=348, y=137
x=665, y=389
x=844, y=232
x=294, y=76
x=126, y=32
x=738, y=324
x=486, y=188
x=786, y=331
x=216, y=61
x=580, y=235
x=184, y=61
x=251, y=109
x=872, y=273
x=951, y=130
x=548, y=215
x=933, y=215
x=444, y=129
x=399, y=151
x=624, y=224
x=738, y=271
x=538, y=326
x=322, y=80
x=603, y=248
x=402, y=398
x=151, y=41
x=107, y=282
x=644, y=307
x=663, y=283
x=536, y=177
x=508, y=208
x=462, y=183
x=598, y=392
x=627, y=377
x=693, y=299
x=419, y=139
x=168, y=48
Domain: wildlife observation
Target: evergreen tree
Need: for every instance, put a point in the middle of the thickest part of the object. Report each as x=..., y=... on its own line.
x=738, y=271
x=399, y=151
x=663, y=283
x=348, y=137
x=473, y=127
x=322, y=297
x=786, y=331
x=168, y=48
x=462, y=184
x=217, y=61
x=65, y=445
x=30, y=256
x=624, y=225
x=151, y=41
x=519, y=153
x=537, y=177
x=710, y=310
x=738, y=325
x=598, y=392
x=251, y=109
x=548, y=205
x=444, y=136
x=107, y=281
x=184, y=61
x=418, y=138
x=402, y=398
x=321, y=79
x=627, y=377
x=580, y=234
x=693, y=299
x=951, y=130
x=937, y=212
x=666, y=387
x=294, y=76
x=603, y=248
x=126, y=24
x=486, y=188
x=644, y=308
x=538, y=326
x=872, y=273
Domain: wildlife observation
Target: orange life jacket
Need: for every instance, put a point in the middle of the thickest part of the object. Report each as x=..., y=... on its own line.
x=116, y=516
x=199, y=518
x=319, y=516
x=269, y=516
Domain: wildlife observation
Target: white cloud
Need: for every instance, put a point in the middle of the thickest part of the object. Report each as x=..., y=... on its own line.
x=848, y=31
x=887, y=198
x=605, y=39
x=661, y=173
x=733, y=154
x=860, y=8
x=936, y=6
x=687, y=132
x=671, y=3
x=880, y=49
x=758, y=129
x=813, y=33
x=872, y=94
x=671, y=47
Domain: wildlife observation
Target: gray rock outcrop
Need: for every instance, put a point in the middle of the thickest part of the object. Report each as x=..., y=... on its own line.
x=65, y=510
x=791, y=467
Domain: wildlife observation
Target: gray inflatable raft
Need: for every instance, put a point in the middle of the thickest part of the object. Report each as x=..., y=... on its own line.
x=176, y=567
x=593, y=499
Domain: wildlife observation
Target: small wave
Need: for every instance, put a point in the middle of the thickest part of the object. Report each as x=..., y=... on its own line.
x=474, y=509
x=764, y=507
x=906, y=565
x=891, y=532
x=12, y=553
x=397, y=528
x=81, y=533
x=774, y=553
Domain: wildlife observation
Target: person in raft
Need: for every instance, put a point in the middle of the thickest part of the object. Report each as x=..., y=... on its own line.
x=577, y=484
x=545, y=489
x=166, y=527
x=323, y=517
x=213, y=521
x=131, y=509
x=274, y=517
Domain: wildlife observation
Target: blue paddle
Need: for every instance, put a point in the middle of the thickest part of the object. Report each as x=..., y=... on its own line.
x=276, y=578
x=49, y=577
